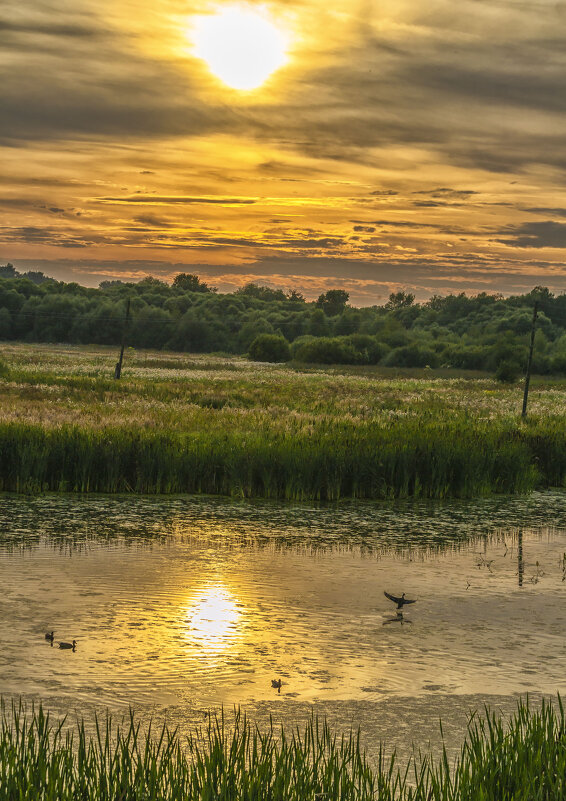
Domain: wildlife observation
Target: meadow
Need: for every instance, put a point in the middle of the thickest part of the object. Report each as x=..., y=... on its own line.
x=176, y=423
x=40, y=759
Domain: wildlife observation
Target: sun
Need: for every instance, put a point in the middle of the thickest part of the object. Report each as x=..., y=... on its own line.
x=241, y=46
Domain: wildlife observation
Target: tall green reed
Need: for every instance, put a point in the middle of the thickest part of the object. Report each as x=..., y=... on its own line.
x=41, y=760
x=330, y=460
x=44, y=760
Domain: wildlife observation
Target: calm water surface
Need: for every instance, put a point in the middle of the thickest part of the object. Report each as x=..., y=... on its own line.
x=181, y=605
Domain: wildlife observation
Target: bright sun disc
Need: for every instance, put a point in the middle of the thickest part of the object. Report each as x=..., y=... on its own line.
x=241, y=46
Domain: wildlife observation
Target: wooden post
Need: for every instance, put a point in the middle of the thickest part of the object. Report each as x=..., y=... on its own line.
x=520, y=561
x=118, y=368
x=529, y=361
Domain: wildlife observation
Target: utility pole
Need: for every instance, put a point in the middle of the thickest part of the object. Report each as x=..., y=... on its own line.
x=529, y=362
x=118, y=368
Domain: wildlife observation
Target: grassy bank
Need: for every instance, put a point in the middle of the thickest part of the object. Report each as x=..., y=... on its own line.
x=40, y=760
x=176, y=424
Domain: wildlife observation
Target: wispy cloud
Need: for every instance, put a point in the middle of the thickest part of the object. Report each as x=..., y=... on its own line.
x=172, y=200
x=547, y=234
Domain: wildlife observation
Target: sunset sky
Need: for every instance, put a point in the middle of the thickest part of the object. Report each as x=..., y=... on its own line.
x=398, y=144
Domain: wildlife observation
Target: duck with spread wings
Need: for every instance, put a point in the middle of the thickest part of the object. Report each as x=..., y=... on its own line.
x=399, y=601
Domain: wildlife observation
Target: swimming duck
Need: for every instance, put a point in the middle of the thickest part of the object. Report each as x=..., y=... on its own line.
x=72, y=645
x=276, y=684
x=399, y=601
x=49, y=637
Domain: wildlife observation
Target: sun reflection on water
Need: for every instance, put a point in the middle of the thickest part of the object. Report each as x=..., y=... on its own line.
x=213, y=618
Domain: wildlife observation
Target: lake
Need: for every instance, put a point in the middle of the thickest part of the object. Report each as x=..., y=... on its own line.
x=181, y=605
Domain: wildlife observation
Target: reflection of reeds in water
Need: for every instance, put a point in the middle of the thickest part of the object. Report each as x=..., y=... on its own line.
x=412, y=530
x=522, y=760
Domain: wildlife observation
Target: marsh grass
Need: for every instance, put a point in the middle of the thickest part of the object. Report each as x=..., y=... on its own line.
x=42, y=760
x=235, y=428
x=329, y=462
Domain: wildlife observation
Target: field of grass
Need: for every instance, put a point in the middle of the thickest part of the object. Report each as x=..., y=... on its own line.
x=40, y=760
x=223, y=425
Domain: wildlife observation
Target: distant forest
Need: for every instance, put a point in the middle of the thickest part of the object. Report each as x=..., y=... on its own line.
x=485, y=332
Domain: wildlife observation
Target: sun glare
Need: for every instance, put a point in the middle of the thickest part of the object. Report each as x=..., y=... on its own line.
x=241, y=46
x=212, y=617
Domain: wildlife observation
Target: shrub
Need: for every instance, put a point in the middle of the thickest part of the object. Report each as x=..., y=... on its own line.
x=269, y=348
x=559, y=363
x=328, y=350
x=412, y=356
x=465, y=358
x=371, y=350
x=508, y=371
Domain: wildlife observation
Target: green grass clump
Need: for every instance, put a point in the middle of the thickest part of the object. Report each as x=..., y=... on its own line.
x=41, y=760
x=524, y=760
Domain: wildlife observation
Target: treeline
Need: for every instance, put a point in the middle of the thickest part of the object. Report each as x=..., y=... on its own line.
x=485, y=332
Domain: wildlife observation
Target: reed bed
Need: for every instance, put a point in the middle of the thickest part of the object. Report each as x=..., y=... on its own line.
x=326, y=462
x=225, y=426
x=41, y=760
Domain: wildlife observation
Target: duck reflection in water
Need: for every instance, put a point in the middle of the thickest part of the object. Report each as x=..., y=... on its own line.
x=397, y=619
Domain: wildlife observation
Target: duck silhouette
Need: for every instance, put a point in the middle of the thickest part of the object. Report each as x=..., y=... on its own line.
x=50, y=636
x=399, y=601
x=276, y=684
x=68, y=645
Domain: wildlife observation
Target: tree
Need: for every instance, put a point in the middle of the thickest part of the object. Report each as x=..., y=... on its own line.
x=258, y=292
x=399, y=300
x=5, y=324
x=36, y=277
x=8, y=271
x=151, y=328
x=193, y=335
x=318, y=324
x=150, y=282
x=189, y=282
x=333, y=302
x=113, y=283
x=253, y=327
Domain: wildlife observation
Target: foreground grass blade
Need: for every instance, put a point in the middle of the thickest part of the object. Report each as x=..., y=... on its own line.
x=41, y=760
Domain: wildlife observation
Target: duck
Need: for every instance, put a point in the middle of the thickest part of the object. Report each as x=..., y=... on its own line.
x=276, y=684
x=50, y=637
x=68, y=645
x=399, y=601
